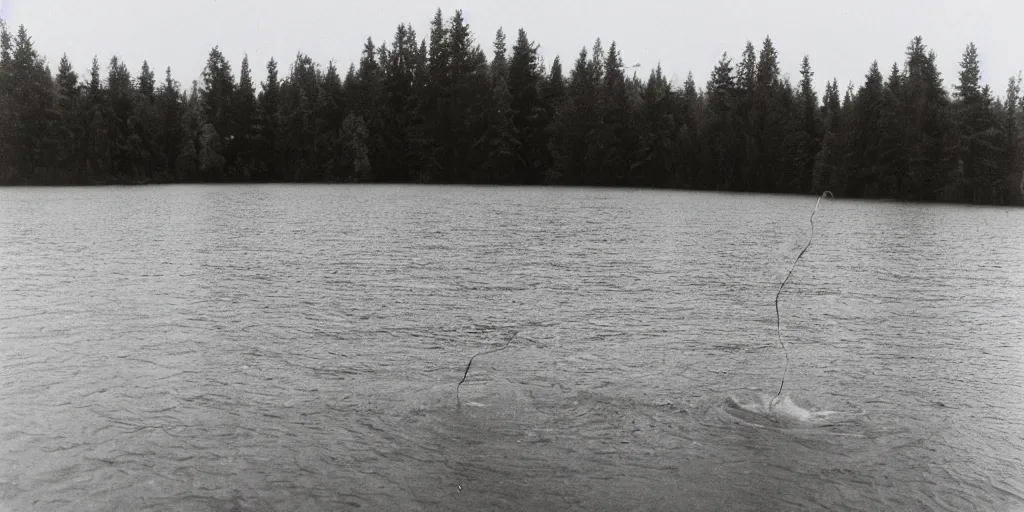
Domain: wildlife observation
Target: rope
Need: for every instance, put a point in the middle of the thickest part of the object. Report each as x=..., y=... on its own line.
x=778, y=320
x=466, y=374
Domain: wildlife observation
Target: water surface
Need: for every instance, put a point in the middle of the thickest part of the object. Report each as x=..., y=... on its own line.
x=298, y=347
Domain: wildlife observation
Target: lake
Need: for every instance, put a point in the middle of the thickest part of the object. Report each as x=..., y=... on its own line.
x=298, y=348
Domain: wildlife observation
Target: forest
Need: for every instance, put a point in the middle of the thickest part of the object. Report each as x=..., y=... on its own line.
x=442, y=109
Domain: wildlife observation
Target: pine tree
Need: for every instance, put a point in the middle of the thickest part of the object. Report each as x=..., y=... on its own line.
x=268, y=124
x=464, y=62
x=95, y=86
x=720, y=166
x=31, y=99
x=768, y=122
x=1013, y=171
x=554, y=88
x=216, y=95
x=530, y=119
x=653, y=162
x=892, y=160
x=926, y=124
x=499, y=63
x=169, y=138
x=192, y=121
x=67, y=79
x=147, y=81
x=868, y=104
x=574, y=124
x=978, y=174
x=500, y=146
x=398, y=113
x=67, y=132
x=299, y=94
x=120, y=108
x=811, y=140
x=6, y=47
x=243, y=104
x=689, y=119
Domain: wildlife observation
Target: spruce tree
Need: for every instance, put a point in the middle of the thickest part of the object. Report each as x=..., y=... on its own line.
x=868, y=106
x=574, y=123
x=501, y=161
x=169, y=111
x=925, y=122
x=32, y=105
x=1013, y=170
x=268, y=126
x=95, y=85
x=768, y=122
x=720, y=169
x=216, y=95
x=67, y=131
x=243, y=105
x=147, y=81
x=809, y=125
x=398, y=111
x=499, y=63
x=529, y=116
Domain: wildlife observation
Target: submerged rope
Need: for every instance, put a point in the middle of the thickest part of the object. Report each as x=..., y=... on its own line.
x=466, y=374
x=778, y=320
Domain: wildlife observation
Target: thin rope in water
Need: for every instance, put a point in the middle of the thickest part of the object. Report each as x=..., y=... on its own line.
x=466, y=374
x=778, y=318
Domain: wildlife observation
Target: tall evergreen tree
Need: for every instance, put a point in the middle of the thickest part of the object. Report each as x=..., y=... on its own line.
x=529, y=116
x=1014, y=171
x=398, y=121
x=169, y=138
x=216, y=95
x=808, y=134
x=925, y=122
x=574, y=124
x=67, y=132
x=147, y=81
x=268, y=126
x=500, y=144
x=243, y=105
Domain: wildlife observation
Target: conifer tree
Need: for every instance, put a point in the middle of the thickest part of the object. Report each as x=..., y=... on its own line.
x=268, y=124
x=147, y=81
x=399, y=105
x=925, y=123
x=95, y=85
x=720, y=163
x=499, y=146
x=216, y=94
x=529, y=116
x=574, y=123
x=67, y=132
x=1014, y=171
x=243, y=105
x=169, y=138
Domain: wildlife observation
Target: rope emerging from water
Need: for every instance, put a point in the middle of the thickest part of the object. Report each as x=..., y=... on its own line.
x=778, y=319
x=466, y=374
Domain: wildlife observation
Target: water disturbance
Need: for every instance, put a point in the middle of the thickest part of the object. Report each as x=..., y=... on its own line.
x=300, y=348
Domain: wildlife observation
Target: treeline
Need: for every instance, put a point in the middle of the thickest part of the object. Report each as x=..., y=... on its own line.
x=442, y=110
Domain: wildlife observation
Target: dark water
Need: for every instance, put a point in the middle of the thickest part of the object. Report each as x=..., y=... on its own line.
x=297, y=348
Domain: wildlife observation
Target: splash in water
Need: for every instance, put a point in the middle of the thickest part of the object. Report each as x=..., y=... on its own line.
x=778, y=411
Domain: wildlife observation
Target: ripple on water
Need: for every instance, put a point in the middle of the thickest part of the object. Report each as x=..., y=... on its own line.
x=298, y=348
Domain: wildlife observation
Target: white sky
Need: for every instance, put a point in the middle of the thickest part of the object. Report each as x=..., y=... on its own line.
x=684, y=35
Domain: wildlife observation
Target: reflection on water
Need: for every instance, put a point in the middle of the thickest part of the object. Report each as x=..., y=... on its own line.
x=298, y=348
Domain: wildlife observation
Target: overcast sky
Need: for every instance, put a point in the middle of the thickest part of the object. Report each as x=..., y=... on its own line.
x=842, y=38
